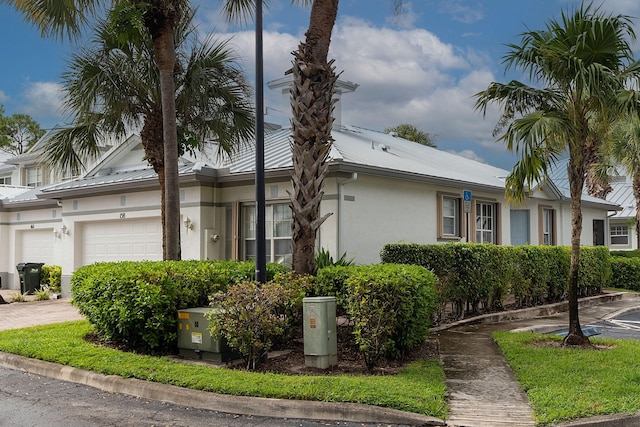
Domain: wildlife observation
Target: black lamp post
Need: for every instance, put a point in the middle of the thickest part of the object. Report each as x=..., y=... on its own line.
x=261, y=250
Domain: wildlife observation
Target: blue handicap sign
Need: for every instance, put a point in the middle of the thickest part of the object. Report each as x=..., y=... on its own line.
x=467, y=195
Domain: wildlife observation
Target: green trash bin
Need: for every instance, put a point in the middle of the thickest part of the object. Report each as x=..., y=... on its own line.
x=30, y=274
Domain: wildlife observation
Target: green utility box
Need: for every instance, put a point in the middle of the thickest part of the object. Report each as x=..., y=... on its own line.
x=194, y=338
x=320, y=338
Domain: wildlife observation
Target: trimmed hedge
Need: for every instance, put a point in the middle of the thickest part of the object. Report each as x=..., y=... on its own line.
x=473, y=274
x=626, y=254
x=391, y=306
x=626, y=273
x=401, y=298
x=135, y=304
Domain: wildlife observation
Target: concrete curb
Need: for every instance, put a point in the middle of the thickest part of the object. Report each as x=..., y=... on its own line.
x=531, y=312
x=632, y=420
x=312, y=410
x=257, y=406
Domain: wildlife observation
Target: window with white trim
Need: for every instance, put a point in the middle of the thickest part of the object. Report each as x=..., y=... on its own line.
x=278, y=221
x=450, y=218
x=547, y=226
x=619, y=234
x=5, y=180
x=33, y=176
x=486, y=222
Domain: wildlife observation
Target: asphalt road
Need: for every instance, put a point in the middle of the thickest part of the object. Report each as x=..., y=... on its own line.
x=28, y=400
x=622, y=327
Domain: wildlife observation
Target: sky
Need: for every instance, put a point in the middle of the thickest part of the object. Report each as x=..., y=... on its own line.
x=420, y=67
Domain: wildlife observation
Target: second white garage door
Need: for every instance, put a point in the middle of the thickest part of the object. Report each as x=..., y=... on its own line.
x=35, y=246
x=122, y=240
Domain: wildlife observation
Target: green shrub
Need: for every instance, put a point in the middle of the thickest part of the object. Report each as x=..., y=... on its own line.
x=391, y=307
x=558, y=265
x=135, y=304
x=595, y=269
x=17, y=296
x=330, y=281
x=470, y=274
x=248, y=316
x=473, y=274
x=626, y=273
x=324, y=259
x=42, y=294
x=541, y=274
x=295, y=288
x=626, y=254
x=51, y=275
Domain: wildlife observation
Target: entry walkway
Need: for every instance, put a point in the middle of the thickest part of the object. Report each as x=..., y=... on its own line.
x=482, y=390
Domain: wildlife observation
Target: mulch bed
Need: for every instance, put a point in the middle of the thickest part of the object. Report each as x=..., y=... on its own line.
x=290, y=359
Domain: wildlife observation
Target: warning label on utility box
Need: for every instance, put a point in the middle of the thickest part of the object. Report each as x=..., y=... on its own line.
x=196, y=337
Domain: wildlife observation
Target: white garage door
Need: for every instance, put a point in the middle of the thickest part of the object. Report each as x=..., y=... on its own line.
x=35, y=246
x=122, y=240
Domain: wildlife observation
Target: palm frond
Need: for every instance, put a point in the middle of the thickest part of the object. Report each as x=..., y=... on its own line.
x=57, y=18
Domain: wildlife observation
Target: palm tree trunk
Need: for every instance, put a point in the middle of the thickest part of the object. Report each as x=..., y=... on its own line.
x=165, y=59
x=636, y=195
x=312, y=105
x=576, y=182
x=153, y=143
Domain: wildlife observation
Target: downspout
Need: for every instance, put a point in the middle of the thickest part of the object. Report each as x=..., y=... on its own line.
x=340, y=230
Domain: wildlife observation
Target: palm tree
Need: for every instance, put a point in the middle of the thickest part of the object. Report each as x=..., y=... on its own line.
x=160, y=17
x=582, y=62
x=112, y=87
x=624, y=149
x=312, y=102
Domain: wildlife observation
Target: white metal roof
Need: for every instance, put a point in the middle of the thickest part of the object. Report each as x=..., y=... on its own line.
x=9, y=191
x=377, y=150
x=560, y=179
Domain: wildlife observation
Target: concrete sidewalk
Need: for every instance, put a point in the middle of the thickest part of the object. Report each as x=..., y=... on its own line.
x=482, y=389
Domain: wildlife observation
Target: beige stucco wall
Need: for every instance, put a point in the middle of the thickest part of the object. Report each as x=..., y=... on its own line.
x=366, y=213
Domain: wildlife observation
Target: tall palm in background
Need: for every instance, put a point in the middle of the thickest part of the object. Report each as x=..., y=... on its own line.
x=582, y=62
x=112, y=87
x=312, y=105
x=159, y=17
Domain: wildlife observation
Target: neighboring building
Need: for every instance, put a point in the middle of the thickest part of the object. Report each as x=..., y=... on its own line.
x=622, y=233
x=379, y=189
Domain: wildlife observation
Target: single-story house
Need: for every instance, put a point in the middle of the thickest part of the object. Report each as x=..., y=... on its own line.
x=380, y=189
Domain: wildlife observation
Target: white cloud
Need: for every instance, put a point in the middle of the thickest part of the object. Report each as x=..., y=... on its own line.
x=461, y=12
x=405, y=18
x=467, y=154
x=43, y=100
x=405, y=76
x=3, y=97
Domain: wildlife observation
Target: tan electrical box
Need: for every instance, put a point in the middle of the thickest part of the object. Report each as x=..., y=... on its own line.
x=194, y=338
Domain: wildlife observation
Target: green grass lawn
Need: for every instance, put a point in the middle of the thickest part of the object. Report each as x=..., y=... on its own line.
x=419, y=388
x=565, y=383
